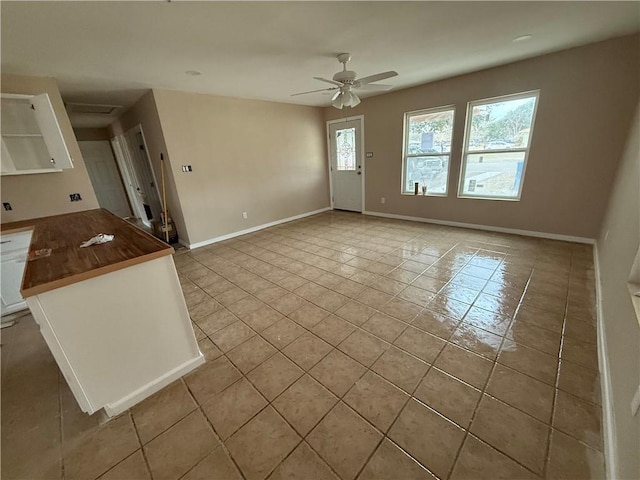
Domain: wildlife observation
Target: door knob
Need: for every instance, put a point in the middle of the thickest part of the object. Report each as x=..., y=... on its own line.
x=359, y=173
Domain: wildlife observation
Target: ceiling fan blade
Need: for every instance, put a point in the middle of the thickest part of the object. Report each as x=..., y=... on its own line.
x=373, y=88
x=376, y=77
x=315, y=91
x=332, y=82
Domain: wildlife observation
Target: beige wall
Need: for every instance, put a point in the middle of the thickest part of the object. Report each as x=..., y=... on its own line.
x=616, y=252
x=266, y=159
x=586, y=103
x=46, y=194
x=145, y=113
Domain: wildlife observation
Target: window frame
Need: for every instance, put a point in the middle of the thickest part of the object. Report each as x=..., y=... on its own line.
x=405, y=148
x=467, y=135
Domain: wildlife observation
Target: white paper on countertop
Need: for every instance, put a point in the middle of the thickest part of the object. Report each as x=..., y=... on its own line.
x=98, y=239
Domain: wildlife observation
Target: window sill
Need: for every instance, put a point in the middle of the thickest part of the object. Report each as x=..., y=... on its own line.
x=477, y=197
x=421, y=195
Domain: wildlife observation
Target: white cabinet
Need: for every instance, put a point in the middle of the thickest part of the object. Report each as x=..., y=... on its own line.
x=13, y=254
x=32, y=141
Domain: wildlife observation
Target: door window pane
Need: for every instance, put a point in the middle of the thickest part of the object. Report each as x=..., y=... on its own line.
x=346, y=149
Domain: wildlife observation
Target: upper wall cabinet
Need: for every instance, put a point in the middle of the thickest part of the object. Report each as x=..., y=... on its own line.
x=32, y=141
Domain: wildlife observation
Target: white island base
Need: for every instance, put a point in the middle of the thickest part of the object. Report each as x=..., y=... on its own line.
x=120, y=336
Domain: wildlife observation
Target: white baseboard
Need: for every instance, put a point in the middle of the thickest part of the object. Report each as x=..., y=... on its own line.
x=116, y=408
x=252, y=229
x=513, y=231
x=608, y=418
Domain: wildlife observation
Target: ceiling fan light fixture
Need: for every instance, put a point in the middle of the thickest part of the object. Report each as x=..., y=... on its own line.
x=337, y=101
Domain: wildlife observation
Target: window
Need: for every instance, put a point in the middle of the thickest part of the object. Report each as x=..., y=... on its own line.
x=427, y=148
x=496, y=146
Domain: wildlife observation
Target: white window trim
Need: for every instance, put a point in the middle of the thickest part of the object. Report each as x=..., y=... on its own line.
x=405, y=146
x=467, y=135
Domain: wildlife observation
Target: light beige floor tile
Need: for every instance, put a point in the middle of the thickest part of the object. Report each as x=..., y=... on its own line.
x=428, y=437
x=534, y=363
x=304, y=403
x=523, y=392
x=211, y=378
x=261, y=318
x=158, y=412
x=308, y=315
x=546, y=341
x=489, y=321
x=363, y=347
x=303, y=463
x=585, y=354
x=373, y=298
x=333, y=330
x=376, y=400
x=384, y=326
x=390, y=462
x=402, y=309
x=175, y=451
x=416, y=295
x=216, y=321
x=578, y=418
x=233, y=407
x=288, y=303
x=337, y=372
x=231, y=336
x=435, y=323
x=460, y=293
x=203, y=309
x=419, y=343
x=261, y=444
x=282, y=333
x=208, y=349
x=578, y=381
x=344, y=440
x=448, y=307
x=215, y=466
x=251, y=353
x=571, y=459
x=102, y=449
x=512, y=432
x=310, y=290
x=307, y=350
x=478, y=461
x=449, y=396
x=400, y=368
x=477, y=340
x=134, y=467
x=330, y=301
x=274, y=375
x=355, y=312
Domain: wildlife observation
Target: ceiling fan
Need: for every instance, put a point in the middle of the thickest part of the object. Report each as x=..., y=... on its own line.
x=346, y=81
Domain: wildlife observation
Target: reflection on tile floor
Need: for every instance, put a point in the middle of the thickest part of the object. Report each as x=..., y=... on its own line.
x=345, y=346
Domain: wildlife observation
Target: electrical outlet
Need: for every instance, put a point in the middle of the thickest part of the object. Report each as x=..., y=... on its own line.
x=75, y=197
x=7, y=206
x=187, y=168
x=244, y=215
x=382, y=199
x=635, y=403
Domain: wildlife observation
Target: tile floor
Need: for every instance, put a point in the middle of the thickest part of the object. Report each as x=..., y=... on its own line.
x=345, y=346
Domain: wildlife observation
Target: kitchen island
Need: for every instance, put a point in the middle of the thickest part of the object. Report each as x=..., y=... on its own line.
x=113, y=314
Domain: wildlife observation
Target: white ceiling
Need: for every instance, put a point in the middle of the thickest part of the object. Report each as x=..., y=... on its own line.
x=111, y=52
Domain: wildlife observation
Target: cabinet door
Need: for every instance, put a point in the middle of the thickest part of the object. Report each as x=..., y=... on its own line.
x=51, y=133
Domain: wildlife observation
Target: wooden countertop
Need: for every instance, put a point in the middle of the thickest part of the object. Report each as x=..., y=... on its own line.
x=68, y=263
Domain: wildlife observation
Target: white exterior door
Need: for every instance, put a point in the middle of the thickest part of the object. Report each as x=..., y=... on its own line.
x=345, y=140
x=102, y=170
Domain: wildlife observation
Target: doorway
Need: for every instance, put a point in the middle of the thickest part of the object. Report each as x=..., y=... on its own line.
x=346, y=167
x=140, y=181
x=104, y=176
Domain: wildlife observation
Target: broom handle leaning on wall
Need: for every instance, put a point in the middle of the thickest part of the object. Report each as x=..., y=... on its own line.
x=165, y=220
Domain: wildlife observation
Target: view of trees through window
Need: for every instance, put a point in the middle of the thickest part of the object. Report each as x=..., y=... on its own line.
x=496, y=146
